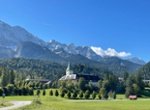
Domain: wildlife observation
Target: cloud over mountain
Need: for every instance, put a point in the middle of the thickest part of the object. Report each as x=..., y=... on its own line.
x=110, y=52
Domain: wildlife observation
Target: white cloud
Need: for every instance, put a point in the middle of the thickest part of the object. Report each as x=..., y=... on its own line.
x=110, y=52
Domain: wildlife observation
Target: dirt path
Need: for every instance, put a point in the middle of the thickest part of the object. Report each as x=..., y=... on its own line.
x=17, y=104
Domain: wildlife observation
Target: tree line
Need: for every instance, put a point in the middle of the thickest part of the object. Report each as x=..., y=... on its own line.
x=13, y=82
x=107, y=88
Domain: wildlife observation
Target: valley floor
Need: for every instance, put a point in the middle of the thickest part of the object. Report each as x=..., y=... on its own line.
x=57, y=103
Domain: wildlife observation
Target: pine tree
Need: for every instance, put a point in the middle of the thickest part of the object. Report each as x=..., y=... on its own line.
x=38, y=92
x=44, y=92
x=4, y=79
x=11, y=77
x=56, y=93
x=81, y=94
x=69, y=95
x=74, y=96
x=51, y=93
x=82, y=84
x=62, y=94
x=87, y=94
x=114, y=95
x=94, y=95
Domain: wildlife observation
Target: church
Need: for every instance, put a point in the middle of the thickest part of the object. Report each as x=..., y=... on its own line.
x=70, y=75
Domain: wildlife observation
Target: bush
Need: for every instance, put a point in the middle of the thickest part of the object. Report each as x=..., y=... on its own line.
x=69, y=95
x=99, y=96
x=31, y=91
x=74, y=96
x=10, y=88
x=24, y=91
x=44, y=92
x=16, y=91
x=114, y=95
x=51, y=93
x=81, y=94
x=5, y=90
x=103, y=93
x=87, y=94
x=56, y=93
x=106, y=95
x=1, y=91
x=20, y=91
x=38, y=92
x=62, y=94
x=146, y=93
x=110, y=94
x=93, y=95
x=64, y=90
x=128, y=92
x=82, y=84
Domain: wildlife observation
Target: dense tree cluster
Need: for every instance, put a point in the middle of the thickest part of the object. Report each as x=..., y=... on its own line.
x=11, y=84
x=108, y=87
x=53, y=71
x=134, y=85
x=34, y=68
x=145, y=71
x=83, y=89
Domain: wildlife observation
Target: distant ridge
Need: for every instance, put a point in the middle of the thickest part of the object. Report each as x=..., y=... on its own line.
x=16, y=42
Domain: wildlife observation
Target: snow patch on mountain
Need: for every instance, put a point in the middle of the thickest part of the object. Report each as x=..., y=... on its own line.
x=110, y=52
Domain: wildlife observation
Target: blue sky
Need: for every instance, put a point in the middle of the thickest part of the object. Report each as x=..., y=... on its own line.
x=120, y=24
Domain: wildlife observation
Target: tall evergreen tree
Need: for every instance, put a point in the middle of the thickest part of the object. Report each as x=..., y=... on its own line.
x=11, y=77
x=82, y=84
x=4, y=78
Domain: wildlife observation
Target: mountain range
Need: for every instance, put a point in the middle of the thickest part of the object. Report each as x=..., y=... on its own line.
x=16, y=42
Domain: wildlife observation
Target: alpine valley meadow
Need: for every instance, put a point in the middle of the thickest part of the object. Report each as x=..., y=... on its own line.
x=61, y=76
x=35, y=70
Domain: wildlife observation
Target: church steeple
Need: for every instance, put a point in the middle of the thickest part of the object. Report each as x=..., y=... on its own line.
x=68, y=70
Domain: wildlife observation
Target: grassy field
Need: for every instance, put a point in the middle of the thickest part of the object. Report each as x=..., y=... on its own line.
x=57, y=103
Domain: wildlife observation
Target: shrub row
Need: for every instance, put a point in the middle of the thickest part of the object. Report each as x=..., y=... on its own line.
x=74, y=95
x=16, y=91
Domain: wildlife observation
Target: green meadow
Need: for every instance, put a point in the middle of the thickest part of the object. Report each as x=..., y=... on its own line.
x=58, y=103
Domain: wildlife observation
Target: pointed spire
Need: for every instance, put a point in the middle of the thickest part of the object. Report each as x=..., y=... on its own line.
x=68, y=68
